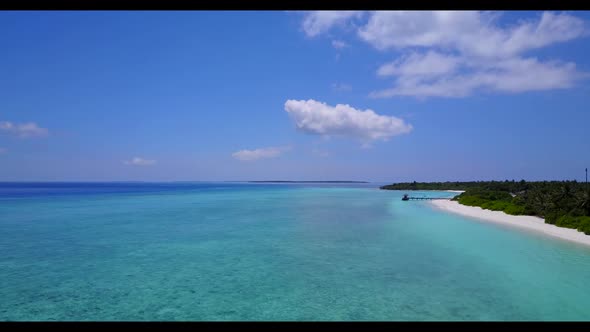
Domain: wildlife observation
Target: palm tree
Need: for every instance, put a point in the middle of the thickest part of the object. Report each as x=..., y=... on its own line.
x=539, y=201
x=583, y=201
x=563, y=197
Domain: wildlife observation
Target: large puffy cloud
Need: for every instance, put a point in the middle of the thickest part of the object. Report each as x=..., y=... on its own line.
x=23, y=130
x=469, y=32
x=399, y=29
x=318, y=118
x=137, y=161
x=457, y=53
x=261, y=153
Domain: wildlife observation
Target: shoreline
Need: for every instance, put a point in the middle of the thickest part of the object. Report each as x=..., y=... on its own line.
x=530, y=223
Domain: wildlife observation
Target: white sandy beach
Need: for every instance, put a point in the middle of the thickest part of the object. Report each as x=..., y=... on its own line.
x=526, y=222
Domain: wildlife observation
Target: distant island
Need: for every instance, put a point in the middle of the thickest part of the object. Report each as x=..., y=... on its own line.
x=560, y=203
x=281, y=181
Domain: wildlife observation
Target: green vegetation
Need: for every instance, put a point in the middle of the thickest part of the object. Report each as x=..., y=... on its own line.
x=562, y=203
x=431, y=186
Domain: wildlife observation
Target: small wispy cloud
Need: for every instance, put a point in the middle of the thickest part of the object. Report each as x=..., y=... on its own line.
x=318, y=22
x=339, y=44
x=512, y=75
x=261, y=153
x=137, y=161
x=320, y=153
x=23, y=130
x=341, y=87
x=431, y=64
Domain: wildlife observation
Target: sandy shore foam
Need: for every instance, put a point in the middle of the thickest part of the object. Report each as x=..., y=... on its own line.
x=526, y=222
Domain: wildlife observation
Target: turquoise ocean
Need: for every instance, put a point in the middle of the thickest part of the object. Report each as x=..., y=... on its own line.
x=266, y=252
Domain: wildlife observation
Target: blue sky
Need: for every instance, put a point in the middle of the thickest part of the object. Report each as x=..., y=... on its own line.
x=376, y=96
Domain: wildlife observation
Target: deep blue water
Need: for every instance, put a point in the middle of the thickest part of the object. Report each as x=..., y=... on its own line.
x=238, y=251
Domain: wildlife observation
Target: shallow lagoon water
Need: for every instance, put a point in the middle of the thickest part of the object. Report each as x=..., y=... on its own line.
x=223, y=251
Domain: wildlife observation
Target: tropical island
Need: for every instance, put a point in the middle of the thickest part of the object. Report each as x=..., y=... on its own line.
x=560, y=203
x=284, y=181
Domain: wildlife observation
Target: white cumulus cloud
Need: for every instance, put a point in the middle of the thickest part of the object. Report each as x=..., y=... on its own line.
x=261, y=153
x=318, y=118
x=23, y=130
x=137, y=161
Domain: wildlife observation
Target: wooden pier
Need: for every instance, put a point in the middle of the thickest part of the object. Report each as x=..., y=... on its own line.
x=408, y=198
